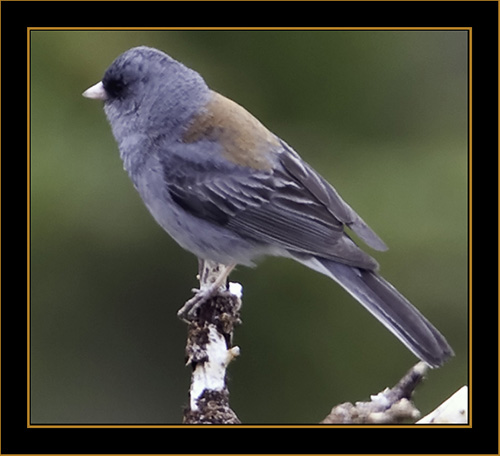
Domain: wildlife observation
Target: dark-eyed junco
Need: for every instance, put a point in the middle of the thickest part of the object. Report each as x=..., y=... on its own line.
x=230, y=191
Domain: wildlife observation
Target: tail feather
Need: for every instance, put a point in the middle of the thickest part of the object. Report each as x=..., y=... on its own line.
x=390, y=307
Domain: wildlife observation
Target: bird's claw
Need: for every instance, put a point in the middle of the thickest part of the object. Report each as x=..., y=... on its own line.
x=212, y=277
x=201, y=295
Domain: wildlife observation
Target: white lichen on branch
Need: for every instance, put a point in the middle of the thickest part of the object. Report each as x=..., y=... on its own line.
x=211, y=374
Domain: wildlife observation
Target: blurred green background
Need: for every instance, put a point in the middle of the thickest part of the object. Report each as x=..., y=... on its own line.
x=381, y=114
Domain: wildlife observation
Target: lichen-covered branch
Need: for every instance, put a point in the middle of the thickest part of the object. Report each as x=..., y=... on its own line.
x=393, y=405
x=209, y=351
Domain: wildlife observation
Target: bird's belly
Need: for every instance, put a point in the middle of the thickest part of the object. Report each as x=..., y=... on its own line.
x=203, y=238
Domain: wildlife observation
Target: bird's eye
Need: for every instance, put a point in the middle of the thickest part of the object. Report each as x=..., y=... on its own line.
x=115, y=87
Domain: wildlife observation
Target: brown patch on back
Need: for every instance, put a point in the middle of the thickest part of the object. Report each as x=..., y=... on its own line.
x=244, y=139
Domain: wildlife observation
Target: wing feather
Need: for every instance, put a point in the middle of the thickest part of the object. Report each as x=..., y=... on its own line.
x=291, y=206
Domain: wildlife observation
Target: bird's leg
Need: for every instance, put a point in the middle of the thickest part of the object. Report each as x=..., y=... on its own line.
x=212, y=276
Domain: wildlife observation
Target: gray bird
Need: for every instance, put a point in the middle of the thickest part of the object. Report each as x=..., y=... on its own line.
x=230, y=191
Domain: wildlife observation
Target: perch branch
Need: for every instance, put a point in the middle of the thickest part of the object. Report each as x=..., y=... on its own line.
x=209, y=350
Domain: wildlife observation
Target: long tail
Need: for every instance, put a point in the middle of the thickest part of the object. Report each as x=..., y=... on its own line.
x=390, y=307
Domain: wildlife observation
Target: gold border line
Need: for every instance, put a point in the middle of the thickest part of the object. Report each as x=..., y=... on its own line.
x=28, y=157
